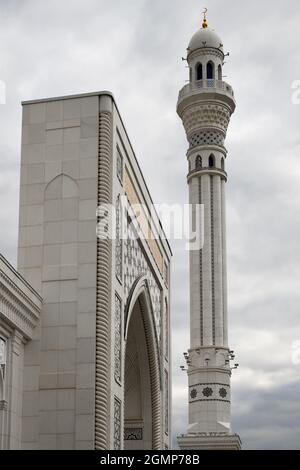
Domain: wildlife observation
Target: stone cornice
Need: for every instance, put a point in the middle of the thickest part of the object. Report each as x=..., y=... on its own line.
x=199, y=148
x=207, y=171
x=20, y=305
x=204, y=51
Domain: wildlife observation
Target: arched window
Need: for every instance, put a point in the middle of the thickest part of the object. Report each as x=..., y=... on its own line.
x=219, y=72
x=211, y=161
x=210, y=71
x=222, y=164
x=199, y=72
x=198, y=162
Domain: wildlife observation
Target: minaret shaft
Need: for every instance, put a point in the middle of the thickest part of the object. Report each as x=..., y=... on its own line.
x=207, y=266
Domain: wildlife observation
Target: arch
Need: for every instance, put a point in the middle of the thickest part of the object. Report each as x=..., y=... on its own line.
x=61, y=187
x=198, y=162
x=139, y=309
x=211, y=161
x=219, y=72
x=199, y=72
x=61, y=210
x=210, y=70
x=223, y=163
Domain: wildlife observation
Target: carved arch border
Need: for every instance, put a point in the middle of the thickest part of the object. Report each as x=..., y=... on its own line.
x=140, y=292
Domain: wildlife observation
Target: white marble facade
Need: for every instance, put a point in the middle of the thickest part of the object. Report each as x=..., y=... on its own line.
x=97, y=295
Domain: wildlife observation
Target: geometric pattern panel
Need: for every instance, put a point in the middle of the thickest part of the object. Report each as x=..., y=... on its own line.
x=136, y=265
x=204, y=137
x=117, y=424
x=119, y=165
x=209, y=392
x=118, y=338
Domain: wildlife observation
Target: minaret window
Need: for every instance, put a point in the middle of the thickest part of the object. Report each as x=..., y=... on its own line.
x=211, y=161
x=210, y=71
x=222, y=164
x=199, y=72
x=198, y=162
x=219, y=72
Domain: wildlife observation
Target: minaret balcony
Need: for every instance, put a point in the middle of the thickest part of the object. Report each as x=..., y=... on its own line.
x=203, y=90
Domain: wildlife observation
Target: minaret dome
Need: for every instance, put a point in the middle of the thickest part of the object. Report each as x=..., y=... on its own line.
x=205, y=54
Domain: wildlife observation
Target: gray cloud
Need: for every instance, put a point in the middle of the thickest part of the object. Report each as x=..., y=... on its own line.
x=134, y=48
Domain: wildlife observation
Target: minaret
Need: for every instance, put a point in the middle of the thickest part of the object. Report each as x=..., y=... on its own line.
x=205, y=106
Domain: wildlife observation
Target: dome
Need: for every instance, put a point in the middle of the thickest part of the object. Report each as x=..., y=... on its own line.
x=205, y=38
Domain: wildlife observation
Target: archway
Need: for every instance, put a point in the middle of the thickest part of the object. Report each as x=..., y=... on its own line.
x=142, y=417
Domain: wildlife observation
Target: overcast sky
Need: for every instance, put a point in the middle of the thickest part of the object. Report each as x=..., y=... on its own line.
x=134, y=48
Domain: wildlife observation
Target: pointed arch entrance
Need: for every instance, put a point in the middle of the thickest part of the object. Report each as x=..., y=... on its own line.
x=142, y=412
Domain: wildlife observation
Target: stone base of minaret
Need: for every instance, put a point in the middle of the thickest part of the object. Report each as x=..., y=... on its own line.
x=209, y=441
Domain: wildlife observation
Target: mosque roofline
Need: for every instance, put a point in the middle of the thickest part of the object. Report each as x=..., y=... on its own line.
x=107, y=93
x=13, y=271
x=69, y=97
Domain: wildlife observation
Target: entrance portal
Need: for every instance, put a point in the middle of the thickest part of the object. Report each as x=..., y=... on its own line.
x=138, y=404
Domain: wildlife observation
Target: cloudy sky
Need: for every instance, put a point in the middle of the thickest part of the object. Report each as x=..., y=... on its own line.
x=134, y=49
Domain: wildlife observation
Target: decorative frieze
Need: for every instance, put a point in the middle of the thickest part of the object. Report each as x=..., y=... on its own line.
x=206, y=137
x=209, y=392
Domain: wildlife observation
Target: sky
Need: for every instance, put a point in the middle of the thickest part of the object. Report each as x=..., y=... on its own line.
x=134, y=49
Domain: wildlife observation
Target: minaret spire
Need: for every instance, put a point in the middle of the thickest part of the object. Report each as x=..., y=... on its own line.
x=204, y=23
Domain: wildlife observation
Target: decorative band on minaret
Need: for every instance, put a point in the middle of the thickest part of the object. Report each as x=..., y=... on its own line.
x=205, y=106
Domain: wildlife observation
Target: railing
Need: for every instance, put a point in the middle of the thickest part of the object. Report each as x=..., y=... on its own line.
x=206, y=84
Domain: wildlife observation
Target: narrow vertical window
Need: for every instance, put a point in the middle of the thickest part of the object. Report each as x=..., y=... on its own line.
x=199, y=72
x=219, y=72
x=198, y=162
x=223, y=164
x=211, y=161
x=210, y=71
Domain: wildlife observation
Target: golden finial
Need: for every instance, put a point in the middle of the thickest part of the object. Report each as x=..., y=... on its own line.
x=204, y=24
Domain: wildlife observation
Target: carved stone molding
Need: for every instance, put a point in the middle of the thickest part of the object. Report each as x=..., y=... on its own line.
x=20, y=305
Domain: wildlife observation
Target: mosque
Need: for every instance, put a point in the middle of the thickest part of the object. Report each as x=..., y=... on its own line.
x=85, y=319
